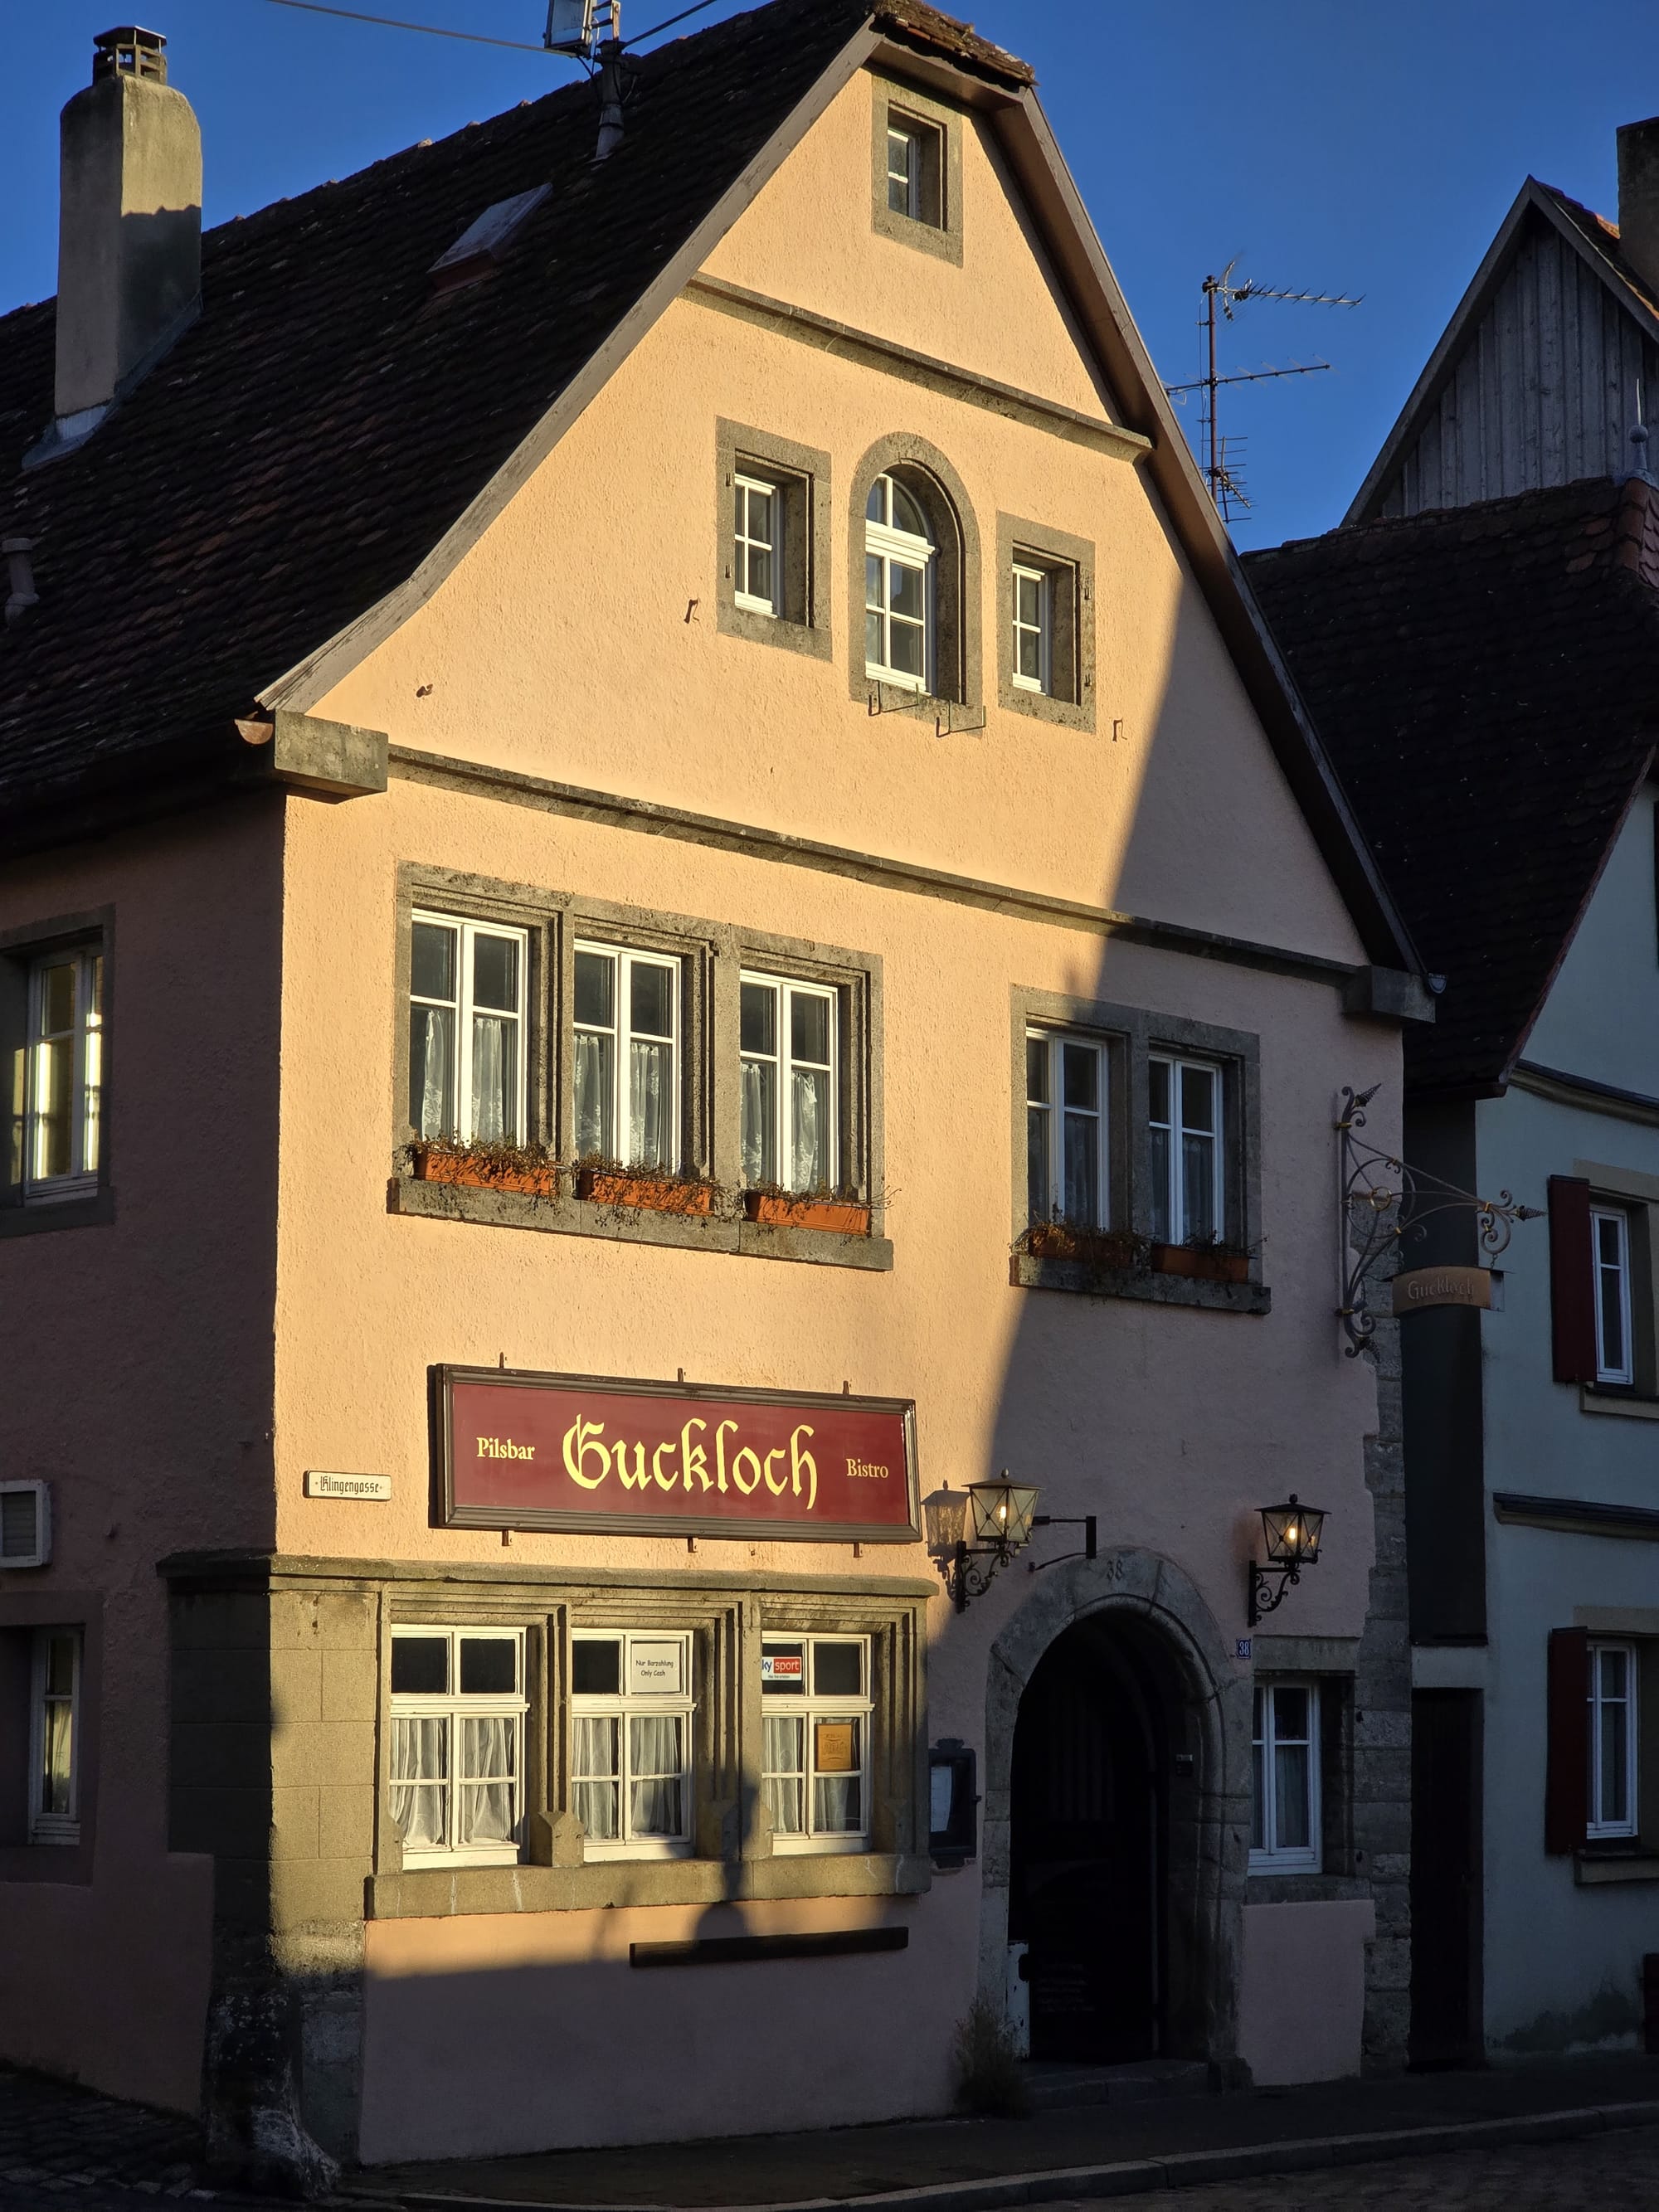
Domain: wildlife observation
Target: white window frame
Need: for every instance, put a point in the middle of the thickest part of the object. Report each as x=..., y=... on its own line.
x=44, y=1827
x=626, y=958
x=902, y=132
x=884, y=542
x=629, y=1705
x=1055, y=1043
x=747, y=486
x=1614, y=1217
x=467, y=935
x=1597, y=1830
x=1268, y=1857
x=812, y=1709
x=454, y=1706
x=1174, y=1197
x=85, y=1037
x=1042, y=629
x=787, y=989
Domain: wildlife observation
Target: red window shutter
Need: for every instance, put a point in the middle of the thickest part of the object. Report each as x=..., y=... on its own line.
x=1566, y=1786
x=1572, y=1281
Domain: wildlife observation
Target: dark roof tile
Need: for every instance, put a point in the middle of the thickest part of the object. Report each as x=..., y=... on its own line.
x=1483, y=678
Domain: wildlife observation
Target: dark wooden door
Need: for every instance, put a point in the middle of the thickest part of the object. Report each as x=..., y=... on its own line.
x=1084, y=1860
x=1446, y=1918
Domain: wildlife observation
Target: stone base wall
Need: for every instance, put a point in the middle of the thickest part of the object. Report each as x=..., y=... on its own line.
x=1383, y=1726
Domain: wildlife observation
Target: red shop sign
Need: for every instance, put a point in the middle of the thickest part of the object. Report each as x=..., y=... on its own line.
x=591, y=1452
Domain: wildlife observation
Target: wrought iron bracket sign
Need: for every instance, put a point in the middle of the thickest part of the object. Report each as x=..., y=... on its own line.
x=1385, y=1201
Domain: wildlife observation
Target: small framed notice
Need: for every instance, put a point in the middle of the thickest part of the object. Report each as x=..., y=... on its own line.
x=359, y=1487
x=656, y=1666
x=832, y=1747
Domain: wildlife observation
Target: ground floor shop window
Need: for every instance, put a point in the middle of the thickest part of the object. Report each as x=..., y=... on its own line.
x=816, y=1696
x=631, y=1709
x=1285, y=1833
x=458, y=1716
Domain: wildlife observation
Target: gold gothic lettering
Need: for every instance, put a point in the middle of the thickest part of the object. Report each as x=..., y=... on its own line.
x=588, y=1459
x=693, y=1458
x=798, y=1459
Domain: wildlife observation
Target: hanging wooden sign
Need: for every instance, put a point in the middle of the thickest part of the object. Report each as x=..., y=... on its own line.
x=1419, y=1288
x=574, y=1452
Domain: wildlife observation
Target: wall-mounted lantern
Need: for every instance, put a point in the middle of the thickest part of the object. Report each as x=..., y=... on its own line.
x=1292, y=1532
x=997, y=1524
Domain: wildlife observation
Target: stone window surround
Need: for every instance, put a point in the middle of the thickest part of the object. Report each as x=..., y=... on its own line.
x=725, y=1616
x=714, y=955
x=22, y=1612
x=957, y=602
x=1332, y=1661
x=1131, y=1035
x=802, y=476
x=1638, y=1194
x=1070, y=562
x=19, y=948
x=944, y=240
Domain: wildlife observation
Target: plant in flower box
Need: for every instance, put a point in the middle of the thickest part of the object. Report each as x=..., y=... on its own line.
x=1106, y=1251
x=775, y=1207
x=649, y=1189
x=1204, y=1258
x=525, y=1170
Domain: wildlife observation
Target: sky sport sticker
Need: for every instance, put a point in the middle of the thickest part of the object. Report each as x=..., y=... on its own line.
x=786, y=1669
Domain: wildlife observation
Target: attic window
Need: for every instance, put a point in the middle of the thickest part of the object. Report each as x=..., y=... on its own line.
x=486, y=244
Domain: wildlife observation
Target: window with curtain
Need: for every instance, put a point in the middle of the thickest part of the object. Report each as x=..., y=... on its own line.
x=900, y=557
x=626, y=1063
x=630, y=1743
x=1611, y=1749
x=466, y=1031
x=915, y=169
x=1284, y=1832
x=1186, y=1152
x=457, y=1747
x=787, y=1075
x=1066, y=1129
x=54, y=1733
x=815, y=1747
x=62, y=1103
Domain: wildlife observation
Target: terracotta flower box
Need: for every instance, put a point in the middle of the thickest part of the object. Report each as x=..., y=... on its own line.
x=1204, y=1263
x=481, y=1172
x=839, y=1215
x=1058, y=1240
x=653, y=1194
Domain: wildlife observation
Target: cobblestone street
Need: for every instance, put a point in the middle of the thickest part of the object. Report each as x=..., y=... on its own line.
x=1602, y=2174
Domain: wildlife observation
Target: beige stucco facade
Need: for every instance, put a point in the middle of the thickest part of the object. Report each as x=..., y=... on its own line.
x=572, y=727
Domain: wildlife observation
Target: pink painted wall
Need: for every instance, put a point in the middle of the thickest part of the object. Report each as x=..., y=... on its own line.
x=1303, y=2000
x=138, y=1383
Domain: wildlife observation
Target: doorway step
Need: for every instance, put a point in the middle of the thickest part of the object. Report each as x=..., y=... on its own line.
x=1055, y=2084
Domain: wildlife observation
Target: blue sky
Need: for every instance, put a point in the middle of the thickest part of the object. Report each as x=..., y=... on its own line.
x=1371, y=149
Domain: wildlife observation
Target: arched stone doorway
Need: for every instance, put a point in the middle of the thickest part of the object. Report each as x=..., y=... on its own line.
x=1116, y=1814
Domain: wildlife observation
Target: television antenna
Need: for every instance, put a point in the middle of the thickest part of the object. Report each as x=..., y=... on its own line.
x=1222, y=472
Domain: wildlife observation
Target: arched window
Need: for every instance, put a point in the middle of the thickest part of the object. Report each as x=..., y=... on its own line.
x=900, y=559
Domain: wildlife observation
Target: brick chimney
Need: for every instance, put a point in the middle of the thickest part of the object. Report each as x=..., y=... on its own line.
x=129, y=230
x=1639, y=198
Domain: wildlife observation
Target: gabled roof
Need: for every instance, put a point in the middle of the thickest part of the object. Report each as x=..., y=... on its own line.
x=1591, y=237
x=326, y=441
x=1483, y=678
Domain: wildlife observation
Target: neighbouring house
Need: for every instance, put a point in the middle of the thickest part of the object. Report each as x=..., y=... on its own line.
x=1486, y=676
x=661, y=902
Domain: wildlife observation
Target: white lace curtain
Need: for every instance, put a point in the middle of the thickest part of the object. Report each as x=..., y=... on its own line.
x=494, y=1080
x=420, y=1768
x=656, y=1777
x=487, y=1808
x=809, y=1166
x=594, y=1139
x=650, y=1105
x=431, y=1062
x=782, y=1763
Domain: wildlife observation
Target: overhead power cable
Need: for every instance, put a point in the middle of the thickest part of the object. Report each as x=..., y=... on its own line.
x=392, y=23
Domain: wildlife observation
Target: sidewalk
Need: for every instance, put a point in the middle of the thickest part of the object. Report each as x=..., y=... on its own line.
x=1110, y=2150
